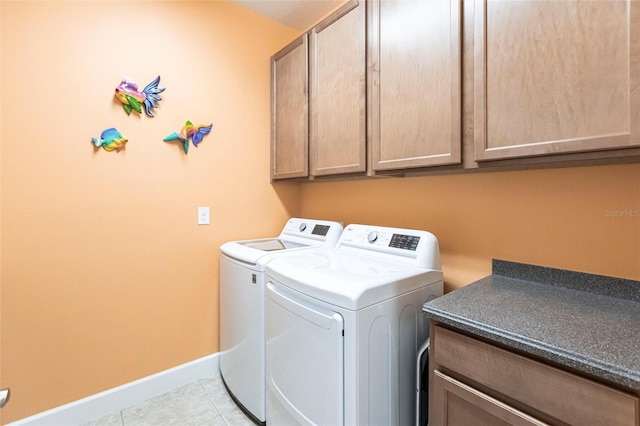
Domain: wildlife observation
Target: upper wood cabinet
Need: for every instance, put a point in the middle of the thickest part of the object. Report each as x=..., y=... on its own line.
x=337, y=102
x=555, y=77
x=401, y=86
x=289, y=111
x=414, y=83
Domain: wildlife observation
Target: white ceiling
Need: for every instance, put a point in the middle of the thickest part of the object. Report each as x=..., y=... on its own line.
x=297, y=14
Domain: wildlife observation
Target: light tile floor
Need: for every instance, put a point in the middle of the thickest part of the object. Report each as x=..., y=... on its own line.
x=204, y=402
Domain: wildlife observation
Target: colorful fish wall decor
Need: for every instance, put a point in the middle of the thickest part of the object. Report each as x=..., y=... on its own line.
x=110, y=139
x=127, y=93
x=189, y=131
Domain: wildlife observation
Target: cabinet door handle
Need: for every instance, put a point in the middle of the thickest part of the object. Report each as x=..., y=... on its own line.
x=444, y=384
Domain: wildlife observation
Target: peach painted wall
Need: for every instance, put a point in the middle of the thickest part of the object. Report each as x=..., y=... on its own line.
x=105, y=275
x=1, y=421
x=566, y=218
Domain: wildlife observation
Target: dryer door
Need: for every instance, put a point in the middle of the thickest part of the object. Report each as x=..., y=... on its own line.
x=305, y=370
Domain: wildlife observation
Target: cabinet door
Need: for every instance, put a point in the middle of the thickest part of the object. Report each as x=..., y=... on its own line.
x=553, y=394
x=414, y=66
x=338, y=92
x=289, y=111
x=556, y=77
x=458, y=404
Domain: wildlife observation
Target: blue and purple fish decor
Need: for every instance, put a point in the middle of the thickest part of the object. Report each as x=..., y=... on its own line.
x=127, y=93
x=189, y=131
x=111, y=140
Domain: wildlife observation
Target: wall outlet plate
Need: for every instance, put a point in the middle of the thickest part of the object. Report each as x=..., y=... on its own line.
x=203, y=215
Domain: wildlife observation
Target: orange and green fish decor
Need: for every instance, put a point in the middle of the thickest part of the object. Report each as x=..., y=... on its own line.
x=111, y=140
x=189, y=131
x=133, y=100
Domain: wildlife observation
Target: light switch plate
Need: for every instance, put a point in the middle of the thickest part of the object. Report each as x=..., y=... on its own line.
x=203, y=215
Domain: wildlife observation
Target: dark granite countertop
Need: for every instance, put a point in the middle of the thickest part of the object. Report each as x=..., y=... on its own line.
x=586, y=322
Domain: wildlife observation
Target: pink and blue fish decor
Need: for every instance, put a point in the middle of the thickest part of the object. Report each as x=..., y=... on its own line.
x=127, y=93
x=189, y=131
x=110, y=139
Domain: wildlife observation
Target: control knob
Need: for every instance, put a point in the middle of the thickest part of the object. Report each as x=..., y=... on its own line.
x=302, y=227
x=372, y=237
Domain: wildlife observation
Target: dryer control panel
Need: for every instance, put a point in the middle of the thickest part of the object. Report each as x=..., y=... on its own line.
x=370, y=236
x=401, y=241
x=405, y=242
x=421, y=246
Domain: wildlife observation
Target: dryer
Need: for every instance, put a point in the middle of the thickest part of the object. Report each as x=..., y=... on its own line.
x=344, y=328
x=242, y=305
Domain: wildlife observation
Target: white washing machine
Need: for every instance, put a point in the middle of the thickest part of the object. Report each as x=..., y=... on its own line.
x=242, y=305
x=344, y=328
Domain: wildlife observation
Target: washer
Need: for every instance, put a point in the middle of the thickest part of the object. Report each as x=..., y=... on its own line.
x=344, y=327
x=242, y=301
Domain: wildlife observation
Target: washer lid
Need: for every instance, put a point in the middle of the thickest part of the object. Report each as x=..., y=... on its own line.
x=346, y=280
x=271, y=244
x=257, y=252
x=296, y=234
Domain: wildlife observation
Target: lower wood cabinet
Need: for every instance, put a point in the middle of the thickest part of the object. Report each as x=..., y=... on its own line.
x=476, y=383
x=460, y=404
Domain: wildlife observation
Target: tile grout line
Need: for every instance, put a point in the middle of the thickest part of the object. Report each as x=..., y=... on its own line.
x=215, y=407
x=222, y=417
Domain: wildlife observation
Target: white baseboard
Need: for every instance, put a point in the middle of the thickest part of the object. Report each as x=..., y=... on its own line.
x=123, y=396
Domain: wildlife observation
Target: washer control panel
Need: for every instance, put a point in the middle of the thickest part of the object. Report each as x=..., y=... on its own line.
x=320, y=230
x=312, y=229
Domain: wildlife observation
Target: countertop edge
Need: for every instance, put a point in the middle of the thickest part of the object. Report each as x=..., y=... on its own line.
x=606, y=371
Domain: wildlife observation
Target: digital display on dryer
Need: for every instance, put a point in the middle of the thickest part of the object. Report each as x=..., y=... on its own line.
x=404, y=242
x=320, y=230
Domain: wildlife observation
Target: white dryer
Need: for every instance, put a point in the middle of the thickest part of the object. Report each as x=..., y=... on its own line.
x=344, y=327
x=242, y=305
